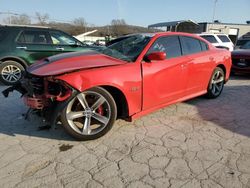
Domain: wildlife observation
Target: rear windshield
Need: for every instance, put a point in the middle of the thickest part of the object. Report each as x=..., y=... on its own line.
x=2, y=34
x=224, y=38
x=209, y=38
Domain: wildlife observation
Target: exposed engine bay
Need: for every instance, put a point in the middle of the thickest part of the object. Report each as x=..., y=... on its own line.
x=43, y=95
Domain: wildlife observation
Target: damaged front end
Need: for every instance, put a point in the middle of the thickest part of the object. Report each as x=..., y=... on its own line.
x=46, y=96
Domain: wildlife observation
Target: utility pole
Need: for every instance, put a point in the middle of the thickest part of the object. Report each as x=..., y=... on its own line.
x=214, y=10
x=9, y=17
x=215, y=2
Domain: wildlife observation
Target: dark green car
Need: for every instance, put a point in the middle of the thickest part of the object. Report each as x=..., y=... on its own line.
x=20, y=46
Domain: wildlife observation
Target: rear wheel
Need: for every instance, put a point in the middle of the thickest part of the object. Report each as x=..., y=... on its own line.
x=11, y=72
x=90, y=114
x=216, y=83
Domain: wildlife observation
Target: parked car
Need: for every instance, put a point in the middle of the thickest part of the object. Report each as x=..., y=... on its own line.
x=20, y=46
x=241, y=42
x=132, y=77
x=241, y=59
x=89, y=42
x=219, y=40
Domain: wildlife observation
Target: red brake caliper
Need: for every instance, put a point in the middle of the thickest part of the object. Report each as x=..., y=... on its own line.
x=100, y=110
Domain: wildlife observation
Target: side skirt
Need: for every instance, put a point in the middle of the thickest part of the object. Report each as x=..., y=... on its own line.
x=144, y=112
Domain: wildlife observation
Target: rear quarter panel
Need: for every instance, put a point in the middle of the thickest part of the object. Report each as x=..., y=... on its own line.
x=223, y=58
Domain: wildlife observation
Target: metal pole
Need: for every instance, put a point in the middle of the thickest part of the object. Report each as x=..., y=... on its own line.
x=215, y=2
x=9, y=17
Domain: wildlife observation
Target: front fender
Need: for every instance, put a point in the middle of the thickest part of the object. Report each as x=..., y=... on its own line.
x=126, y=78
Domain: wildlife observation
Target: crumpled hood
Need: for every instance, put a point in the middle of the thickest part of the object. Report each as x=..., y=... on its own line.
x=72, y=61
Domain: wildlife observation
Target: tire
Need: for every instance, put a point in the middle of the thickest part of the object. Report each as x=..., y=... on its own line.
x=11, y=72
x=90, y=114
x=216, y=83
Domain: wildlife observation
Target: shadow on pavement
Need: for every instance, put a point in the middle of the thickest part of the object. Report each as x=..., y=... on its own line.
x=13, y=122
x=230, y=111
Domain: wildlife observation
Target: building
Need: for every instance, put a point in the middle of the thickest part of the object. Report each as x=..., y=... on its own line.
x=188, y=26
x=234, y=31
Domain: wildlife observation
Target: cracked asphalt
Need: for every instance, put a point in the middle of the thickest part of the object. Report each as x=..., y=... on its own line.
x=200, y=143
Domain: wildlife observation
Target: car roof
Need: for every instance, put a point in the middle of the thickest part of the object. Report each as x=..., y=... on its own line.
x=158, y=34
x=214, y=34
x=24, y=26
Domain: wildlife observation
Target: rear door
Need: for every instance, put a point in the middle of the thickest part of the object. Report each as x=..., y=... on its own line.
x=34, y=45
x=198, y=65
x=164, y=81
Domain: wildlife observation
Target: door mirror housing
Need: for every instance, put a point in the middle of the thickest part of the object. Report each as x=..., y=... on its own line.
x=156, y=56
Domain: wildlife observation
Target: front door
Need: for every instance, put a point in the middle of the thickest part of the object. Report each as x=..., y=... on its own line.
x=63, y=42
x=164, y=81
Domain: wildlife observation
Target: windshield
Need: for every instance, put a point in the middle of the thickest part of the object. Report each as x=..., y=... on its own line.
x=246, y=45
x=128, y=48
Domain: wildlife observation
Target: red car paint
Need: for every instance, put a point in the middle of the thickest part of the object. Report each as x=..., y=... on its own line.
x=146, y=86
x=241, y=61
x=54, y=66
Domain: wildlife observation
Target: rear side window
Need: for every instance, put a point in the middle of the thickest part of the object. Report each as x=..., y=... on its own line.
x=170, y=45
x=210, y=38
x=190, y=45
x=34, y=37
x=204, y=46
x=3, y=34
x=223, y=38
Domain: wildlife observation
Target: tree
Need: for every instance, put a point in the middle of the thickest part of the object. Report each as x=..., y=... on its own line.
x=42, y=18
x=22, y=19
x=119, y=27
x=80, y=24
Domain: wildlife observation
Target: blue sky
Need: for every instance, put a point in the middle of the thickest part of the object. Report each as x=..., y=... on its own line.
x=135, y=12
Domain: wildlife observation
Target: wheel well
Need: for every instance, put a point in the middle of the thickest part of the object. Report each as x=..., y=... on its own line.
x=23, y=63
x=223, y=68
x=120, y=100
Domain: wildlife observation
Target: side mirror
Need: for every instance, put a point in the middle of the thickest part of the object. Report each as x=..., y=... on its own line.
x=156, y=56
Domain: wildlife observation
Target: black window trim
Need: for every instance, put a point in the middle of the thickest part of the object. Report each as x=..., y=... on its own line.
x=179, y=39
x=23, y=30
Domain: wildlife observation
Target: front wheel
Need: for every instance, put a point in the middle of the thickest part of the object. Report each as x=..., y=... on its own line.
x=90, y=114
x=216, y=83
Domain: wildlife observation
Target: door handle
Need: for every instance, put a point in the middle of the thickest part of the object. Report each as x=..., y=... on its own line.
x=60, y=48
x=22, y=47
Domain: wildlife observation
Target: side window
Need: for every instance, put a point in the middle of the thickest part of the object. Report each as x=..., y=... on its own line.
x=3, y=34
x=59, y=38
x=223, y=38
x=204, y=46
x=170, y=45
x=190, y=45
x=210, y=38
x=34, y=37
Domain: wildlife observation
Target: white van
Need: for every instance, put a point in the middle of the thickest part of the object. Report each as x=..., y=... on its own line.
x=218, y=40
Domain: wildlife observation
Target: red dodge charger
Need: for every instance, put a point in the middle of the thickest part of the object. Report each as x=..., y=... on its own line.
x=135, y=75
